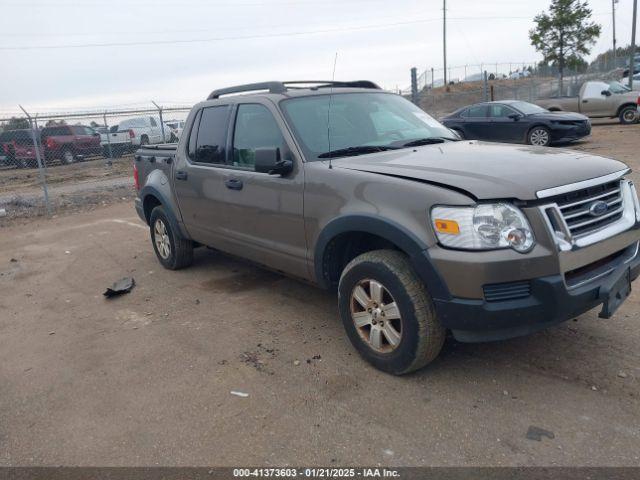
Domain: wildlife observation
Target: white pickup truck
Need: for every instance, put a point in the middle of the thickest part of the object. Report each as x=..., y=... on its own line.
x=599, y=100
x=114, y=142
x=145, y=130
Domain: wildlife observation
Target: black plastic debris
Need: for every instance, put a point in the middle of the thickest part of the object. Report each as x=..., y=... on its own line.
x=124, y=285
x=536, y=433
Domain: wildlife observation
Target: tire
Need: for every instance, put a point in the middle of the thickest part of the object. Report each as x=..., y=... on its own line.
x=628, y=115
x=539, y=136
x=173, y=139
x=144, y=140
x=173, y=251
x=67, y=157
x=415, y=337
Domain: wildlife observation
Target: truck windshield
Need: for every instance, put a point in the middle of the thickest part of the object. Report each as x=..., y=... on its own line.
x=359, y=123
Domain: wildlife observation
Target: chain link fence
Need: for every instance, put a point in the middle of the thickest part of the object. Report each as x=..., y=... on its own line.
x=468, y=84
x=39, y=141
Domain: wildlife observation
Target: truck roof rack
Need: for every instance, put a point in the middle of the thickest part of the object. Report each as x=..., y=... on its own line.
x=281, y=87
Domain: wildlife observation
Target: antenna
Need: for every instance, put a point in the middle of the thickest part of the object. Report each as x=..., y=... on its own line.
x=333, y=79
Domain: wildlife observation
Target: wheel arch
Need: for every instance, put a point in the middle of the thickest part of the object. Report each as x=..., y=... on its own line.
x=625, y=105
x=152, y=197
x=344, y=238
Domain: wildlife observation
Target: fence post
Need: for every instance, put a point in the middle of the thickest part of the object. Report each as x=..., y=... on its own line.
x=36, y=147
x=104, y=117
x=485, y=89
x=164, y=139
x=414, y=85
x=432, y=78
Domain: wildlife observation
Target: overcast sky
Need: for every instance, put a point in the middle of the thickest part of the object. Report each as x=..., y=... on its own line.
x=60, y=55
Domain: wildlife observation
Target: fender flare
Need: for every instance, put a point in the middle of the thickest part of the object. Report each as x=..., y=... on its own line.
x=625, y=105
x=150, y=190
x=403, y=238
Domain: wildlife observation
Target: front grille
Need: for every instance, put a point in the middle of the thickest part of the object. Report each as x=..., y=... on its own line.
x=500, y=292
x=575, y=208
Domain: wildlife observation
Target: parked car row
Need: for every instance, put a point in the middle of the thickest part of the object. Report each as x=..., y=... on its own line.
x=68, y=143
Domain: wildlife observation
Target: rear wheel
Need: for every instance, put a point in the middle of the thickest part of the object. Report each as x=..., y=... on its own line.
x=629, y=115
x=67, y=157
x=539, y=136
x=173, y=251
x=387, y=312
x=144, y=140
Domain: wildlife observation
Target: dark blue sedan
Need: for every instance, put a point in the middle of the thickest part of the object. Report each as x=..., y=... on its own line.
x=513, y=121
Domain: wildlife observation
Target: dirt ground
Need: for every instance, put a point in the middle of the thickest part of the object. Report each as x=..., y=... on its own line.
x=145, y=379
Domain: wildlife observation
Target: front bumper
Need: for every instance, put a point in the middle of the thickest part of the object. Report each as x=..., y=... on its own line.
x=502, y=294
x=566, y=133
x=550, y=302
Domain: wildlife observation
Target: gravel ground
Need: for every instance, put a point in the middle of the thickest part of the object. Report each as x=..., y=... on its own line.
x=146, y=378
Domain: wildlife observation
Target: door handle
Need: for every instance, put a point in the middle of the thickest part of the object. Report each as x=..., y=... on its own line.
x=233, y=183
x=181, y=175
x=585, y=101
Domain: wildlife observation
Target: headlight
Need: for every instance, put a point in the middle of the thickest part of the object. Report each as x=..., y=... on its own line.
x=483, y=227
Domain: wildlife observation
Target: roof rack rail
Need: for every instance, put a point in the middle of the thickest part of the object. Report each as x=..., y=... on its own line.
x=281, y=87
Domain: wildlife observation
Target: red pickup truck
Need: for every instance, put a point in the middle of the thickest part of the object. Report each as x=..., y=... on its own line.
x=69, y=142
x=16, y=149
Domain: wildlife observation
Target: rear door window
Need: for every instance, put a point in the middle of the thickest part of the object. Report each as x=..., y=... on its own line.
x=476, y=111
x=210, y=135
x=56, y=131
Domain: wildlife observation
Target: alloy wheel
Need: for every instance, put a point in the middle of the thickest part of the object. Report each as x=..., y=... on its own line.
x=629, y=115
x=376, y=316
x=161, y=237
x=540, y=137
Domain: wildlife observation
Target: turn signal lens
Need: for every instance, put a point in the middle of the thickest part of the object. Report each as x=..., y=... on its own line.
x=450, y=227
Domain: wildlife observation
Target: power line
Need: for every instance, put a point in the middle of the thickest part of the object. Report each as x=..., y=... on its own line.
x=242, y=37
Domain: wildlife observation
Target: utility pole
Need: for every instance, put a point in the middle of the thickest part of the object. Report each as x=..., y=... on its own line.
x=613, y=15
x=632, y=53
x=444, y=40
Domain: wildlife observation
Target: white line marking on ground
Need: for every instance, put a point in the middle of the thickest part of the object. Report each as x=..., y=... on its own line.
x=131, y=224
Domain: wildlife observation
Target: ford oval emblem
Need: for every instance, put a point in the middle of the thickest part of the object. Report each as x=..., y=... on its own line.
x=598, y=208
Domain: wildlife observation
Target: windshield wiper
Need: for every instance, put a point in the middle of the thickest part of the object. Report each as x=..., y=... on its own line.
x=428, y=141
x=359, y=150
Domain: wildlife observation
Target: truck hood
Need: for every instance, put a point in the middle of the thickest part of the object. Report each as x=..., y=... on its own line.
x=486, y=170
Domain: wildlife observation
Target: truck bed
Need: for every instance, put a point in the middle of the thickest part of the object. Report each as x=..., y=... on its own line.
x=154, y=157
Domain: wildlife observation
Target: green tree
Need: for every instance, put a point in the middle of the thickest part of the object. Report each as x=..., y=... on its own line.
x=565, y=34
x=15, y=123
x=53, y=123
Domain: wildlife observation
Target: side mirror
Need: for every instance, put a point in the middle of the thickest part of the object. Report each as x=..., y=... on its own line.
x=515, y=117
x=267, y=160
x=606, y=93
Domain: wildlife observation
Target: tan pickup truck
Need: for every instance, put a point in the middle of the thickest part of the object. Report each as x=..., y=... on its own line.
x=599, y=99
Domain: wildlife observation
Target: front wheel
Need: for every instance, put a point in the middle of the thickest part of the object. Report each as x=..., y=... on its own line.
x=539, y=136
x=629, y=115
x=387, y=312
x=173, y=251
